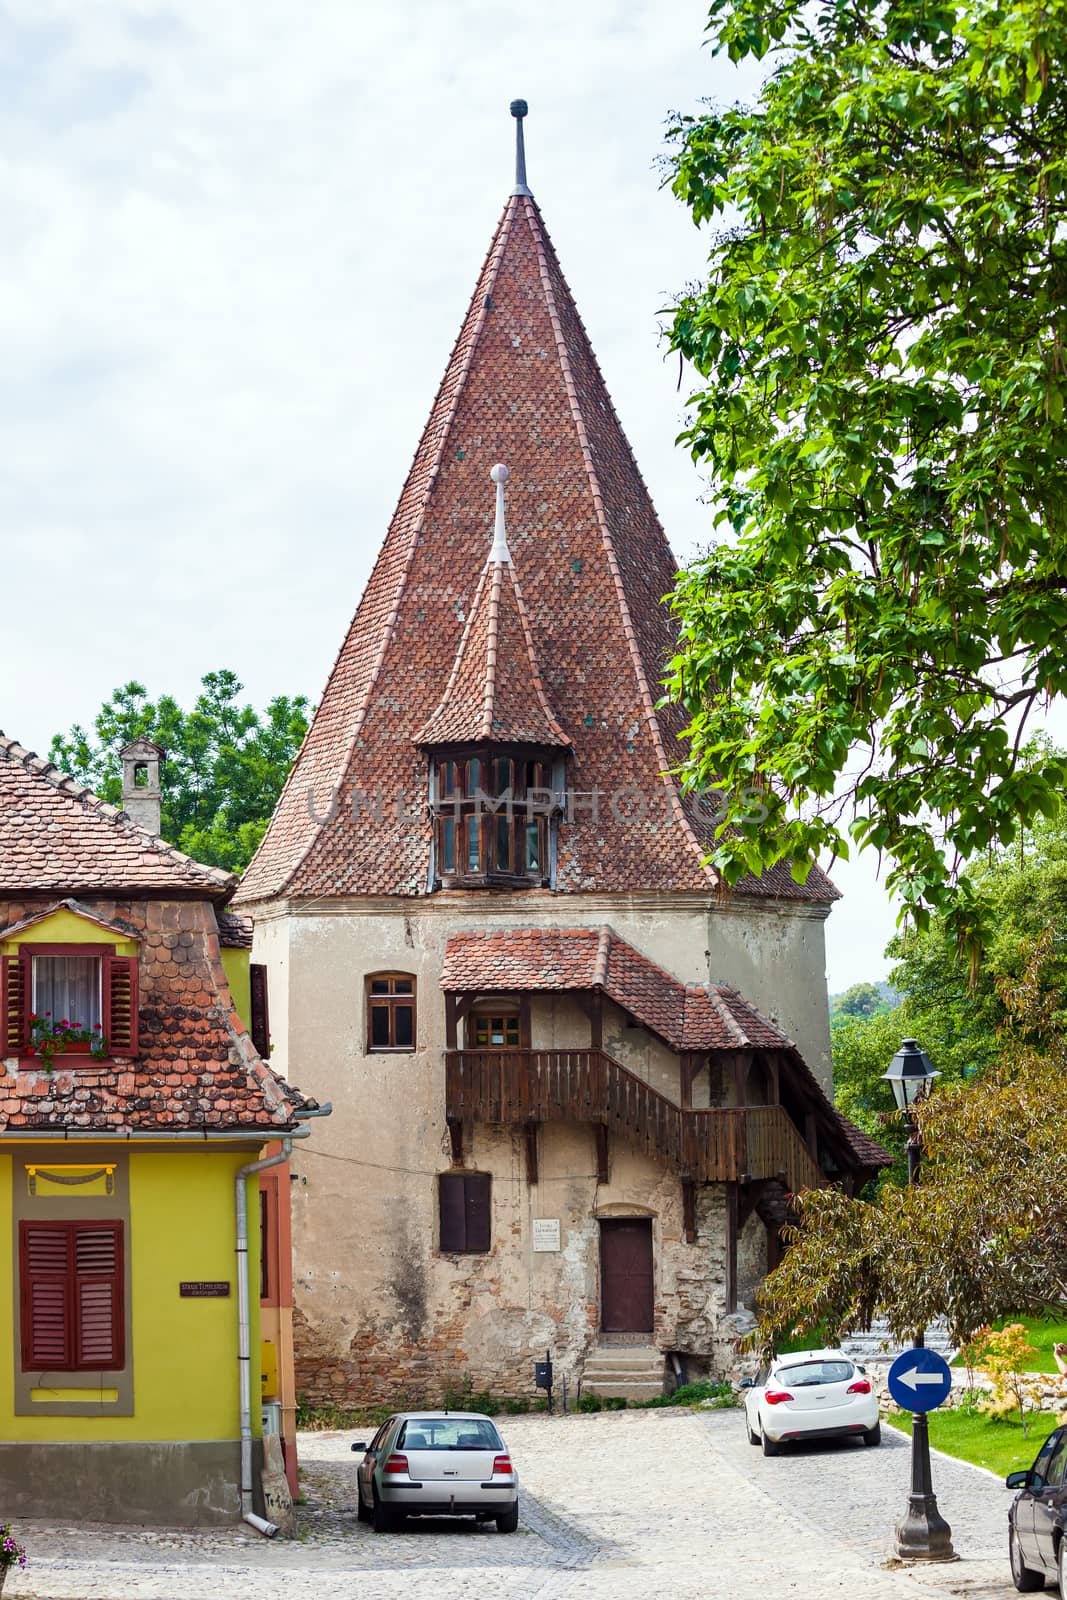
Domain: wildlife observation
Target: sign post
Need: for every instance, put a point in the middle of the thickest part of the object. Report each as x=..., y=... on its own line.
x=919, y=1382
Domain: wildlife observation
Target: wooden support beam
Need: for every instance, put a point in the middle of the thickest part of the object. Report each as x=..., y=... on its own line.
x=451, y=1020
x=689, y=1069
x=731, y=1247
x=524, y=1021
x=531, y=1153
x=740, y=1079
x=596, y=1020
x=455, y=1139
x=602, y=1163
x=689, y=1210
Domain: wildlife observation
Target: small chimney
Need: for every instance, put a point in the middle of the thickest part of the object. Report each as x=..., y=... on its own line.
x=141, y=797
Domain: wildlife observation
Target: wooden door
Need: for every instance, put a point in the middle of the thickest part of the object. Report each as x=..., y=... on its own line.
x=626, y=1288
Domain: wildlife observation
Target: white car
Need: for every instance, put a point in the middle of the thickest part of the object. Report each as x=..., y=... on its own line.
x=812, y=1394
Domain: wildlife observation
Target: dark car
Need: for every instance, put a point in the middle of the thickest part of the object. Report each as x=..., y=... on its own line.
x=1037, y=1521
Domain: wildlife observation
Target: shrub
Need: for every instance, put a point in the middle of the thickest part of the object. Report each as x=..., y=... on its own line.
x=1001, y=1354
x=589, y=1402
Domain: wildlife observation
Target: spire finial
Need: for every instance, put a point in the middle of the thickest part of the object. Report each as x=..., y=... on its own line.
x=519, y=109
x=500, y=554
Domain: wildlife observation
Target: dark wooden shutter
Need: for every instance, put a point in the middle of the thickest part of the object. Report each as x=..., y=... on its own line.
x=72, y=1296
x=452, y=1211
x=260, y=1019
x=120, y=1005
x=98, y=1295
x=464, y=1202
x=15, y=990
x=45, y=1294
x=478, y=1208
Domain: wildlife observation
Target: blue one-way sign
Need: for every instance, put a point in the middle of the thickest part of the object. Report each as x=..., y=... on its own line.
x=919, y=1380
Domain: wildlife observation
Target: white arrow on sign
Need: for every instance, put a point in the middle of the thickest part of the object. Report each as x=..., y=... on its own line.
x=913, y=1378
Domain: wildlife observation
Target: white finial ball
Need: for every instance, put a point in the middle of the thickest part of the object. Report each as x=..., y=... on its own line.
x=500, y=473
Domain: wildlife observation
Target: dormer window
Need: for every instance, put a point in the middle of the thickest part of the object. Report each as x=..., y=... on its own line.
x=493, y=815
x=73, y=1001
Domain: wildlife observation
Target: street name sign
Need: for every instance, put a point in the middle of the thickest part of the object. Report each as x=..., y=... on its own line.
x=919, y=1380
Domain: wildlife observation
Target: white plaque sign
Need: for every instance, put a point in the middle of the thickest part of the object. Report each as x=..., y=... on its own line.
x=546, y=1233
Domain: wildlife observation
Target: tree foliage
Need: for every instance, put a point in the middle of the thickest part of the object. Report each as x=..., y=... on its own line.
x=861, y=1000
x=882, y=337
x=984, y=1232
x=224, y=769
x=958, y=1020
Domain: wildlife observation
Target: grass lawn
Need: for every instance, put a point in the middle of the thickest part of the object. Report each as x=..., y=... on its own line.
x=1042, y=1334
x=1000, y=1446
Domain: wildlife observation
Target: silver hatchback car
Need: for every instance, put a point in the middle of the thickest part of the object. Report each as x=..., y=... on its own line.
x=436, y=1464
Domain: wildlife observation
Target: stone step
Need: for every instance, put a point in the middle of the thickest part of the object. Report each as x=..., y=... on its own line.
x=623, y=1361
x=628, y=1389
x=876, y=1345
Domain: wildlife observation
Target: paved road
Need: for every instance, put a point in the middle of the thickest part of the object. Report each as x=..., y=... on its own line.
x=614, y=1507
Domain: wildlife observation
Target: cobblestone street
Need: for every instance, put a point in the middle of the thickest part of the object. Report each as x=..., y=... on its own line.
x=613, y=1507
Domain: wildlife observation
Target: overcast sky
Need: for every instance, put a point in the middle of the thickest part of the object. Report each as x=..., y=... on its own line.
x=240, y=238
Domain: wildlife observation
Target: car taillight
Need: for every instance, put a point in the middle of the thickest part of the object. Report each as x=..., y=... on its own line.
x=861, y=1386
x=502, y=1464
x=395, y=1464
x=774, y=1397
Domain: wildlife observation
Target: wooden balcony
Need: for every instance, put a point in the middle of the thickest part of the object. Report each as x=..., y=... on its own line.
x=731, y=1144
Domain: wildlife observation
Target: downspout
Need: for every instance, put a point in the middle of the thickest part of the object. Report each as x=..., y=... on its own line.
x=244, y=1327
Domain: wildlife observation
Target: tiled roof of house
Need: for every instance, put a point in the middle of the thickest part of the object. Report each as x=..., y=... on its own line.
x=690, y=1017
x=235, y=930
x=196, y=1069
x=522, y=387
x=57, y=835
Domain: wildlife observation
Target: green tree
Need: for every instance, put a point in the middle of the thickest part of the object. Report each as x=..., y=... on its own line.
x=225, y=764
x=861, y=1000
x=883, y=342
x=957, y=1019
x=982, y=1235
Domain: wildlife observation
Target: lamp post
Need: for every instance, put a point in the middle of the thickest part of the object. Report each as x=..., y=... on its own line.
x=923, y=1534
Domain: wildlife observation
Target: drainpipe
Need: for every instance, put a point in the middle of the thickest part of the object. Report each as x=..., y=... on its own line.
x=244, y=1327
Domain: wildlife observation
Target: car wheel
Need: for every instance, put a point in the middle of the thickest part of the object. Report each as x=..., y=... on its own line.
x=753, y=1437
x=508, y=1520
x=769, y=1446
x=1061, y=1567
x=1024, y=1578
x=362, y=1514
x=384, y=1518
x=873, y=1435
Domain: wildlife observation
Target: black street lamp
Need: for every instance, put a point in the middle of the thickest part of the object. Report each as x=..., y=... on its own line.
x=923, y=1534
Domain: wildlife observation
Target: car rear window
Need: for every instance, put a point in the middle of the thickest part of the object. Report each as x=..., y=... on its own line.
x=814, y=1372
x=448, y=1433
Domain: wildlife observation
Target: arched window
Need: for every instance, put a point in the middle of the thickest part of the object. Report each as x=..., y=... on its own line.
x=390, y=1012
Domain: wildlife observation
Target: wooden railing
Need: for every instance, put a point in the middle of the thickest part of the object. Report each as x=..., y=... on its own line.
x=718, y=1145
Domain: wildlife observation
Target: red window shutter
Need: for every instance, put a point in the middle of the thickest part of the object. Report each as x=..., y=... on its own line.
x=120, y=1005
x=47, y=1320
x=98, y=1290
x=15, y=990
x=260, y=1018
x=72, y=1296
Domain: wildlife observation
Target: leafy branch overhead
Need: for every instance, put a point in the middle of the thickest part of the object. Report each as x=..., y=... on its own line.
x=225, y=766
x=882, y=339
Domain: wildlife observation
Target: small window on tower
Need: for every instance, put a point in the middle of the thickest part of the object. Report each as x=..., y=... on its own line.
x=447, y=779
x=474, y=776
x=474, y=852
x=390, y=1012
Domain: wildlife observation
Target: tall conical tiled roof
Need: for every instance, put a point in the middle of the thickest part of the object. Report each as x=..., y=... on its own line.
x=522, y=386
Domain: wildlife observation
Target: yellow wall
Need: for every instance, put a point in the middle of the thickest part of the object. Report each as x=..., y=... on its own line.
x=235, y=966
x=184, y=1351
x=66, y=927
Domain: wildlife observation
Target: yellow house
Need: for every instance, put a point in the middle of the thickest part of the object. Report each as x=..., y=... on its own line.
x=134, y=1113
